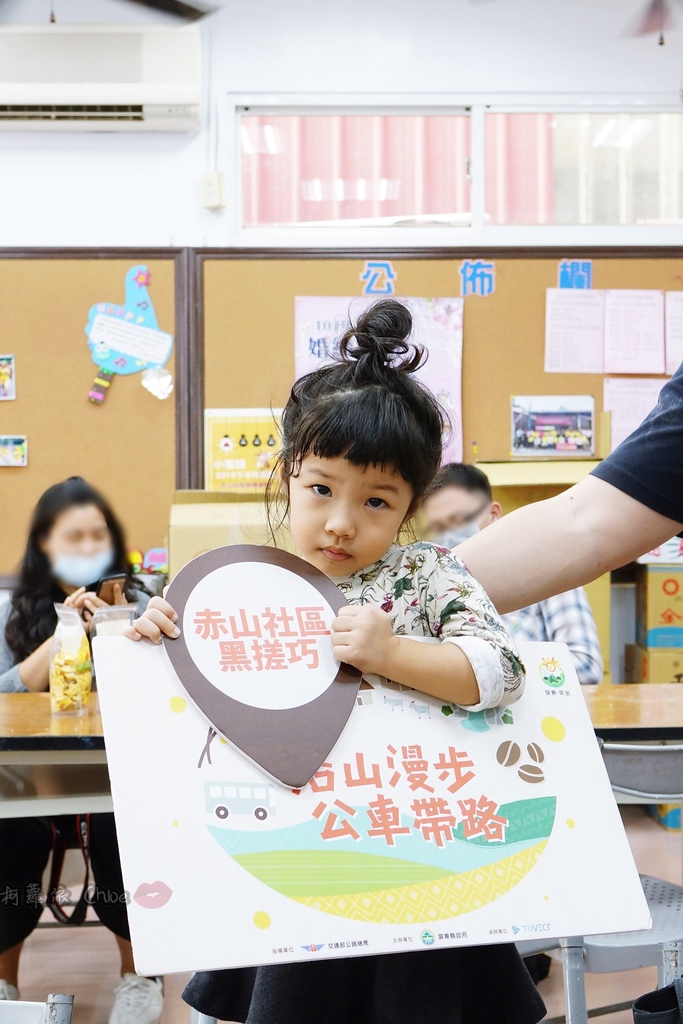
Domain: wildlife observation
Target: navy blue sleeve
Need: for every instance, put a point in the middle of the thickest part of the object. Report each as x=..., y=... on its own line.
x=648, y=465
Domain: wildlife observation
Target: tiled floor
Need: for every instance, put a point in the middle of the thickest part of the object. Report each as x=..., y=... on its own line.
x=84, y=961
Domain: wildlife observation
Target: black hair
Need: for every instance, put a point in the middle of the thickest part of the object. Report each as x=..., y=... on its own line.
x=459, y=474
x=366, y=406
x=32, y=618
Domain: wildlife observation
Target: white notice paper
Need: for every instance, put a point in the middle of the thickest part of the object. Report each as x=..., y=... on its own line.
x=674, y=331
x=144, y=343
x=629, y=400
x=634, y=331
x=574, y=330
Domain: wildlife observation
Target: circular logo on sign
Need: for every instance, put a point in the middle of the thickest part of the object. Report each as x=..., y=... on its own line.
x=252, y=646
x=255, y=655
x=671, y=587
x=427, y=937
x=552, y=673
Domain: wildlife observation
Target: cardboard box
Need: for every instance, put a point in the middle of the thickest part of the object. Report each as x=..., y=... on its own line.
x=202, y=520
x=659, y=606
x=659, y=665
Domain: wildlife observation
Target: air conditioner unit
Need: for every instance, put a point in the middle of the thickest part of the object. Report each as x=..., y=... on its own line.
x=99, y=78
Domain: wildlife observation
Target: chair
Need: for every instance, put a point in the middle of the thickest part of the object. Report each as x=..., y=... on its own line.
x=58, y=1009
x=658, y=771
x=200, y=1018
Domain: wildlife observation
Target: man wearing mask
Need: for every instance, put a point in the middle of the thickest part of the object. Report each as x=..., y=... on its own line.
x=458, y=505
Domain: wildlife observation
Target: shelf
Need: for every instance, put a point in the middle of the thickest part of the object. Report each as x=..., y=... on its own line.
x=540, y=473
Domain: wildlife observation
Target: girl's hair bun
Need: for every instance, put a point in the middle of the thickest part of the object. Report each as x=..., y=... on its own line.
x=379, y=341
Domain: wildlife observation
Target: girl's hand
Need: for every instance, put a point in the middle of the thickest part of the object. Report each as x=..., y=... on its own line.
x=362, y=637
x=158, y=620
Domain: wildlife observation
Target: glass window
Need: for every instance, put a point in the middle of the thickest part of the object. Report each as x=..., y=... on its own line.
x=355, y=169
x=585, y=168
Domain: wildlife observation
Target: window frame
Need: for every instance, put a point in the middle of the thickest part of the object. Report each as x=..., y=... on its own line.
x=479, y=233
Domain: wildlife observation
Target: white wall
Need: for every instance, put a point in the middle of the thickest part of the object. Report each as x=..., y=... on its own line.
x=75, y=189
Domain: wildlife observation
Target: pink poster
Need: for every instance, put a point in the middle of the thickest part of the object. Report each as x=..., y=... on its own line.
x=320, y=320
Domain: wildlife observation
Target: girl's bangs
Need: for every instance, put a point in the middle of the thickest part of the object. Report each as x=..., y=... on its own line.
x=368, y=428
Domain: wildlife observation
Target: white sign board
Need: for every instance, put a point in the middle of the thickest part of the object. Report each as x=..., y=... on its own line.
x=426, y=826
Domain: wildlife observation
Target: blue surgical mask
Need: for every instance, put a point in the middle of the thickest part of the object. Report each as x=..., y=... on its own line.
x=80, y=570
x=451, y=538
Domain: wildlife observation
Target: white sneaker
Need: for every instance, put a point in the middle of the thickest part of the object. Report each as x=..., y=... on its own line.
x=138, y=1000
x=8, y=991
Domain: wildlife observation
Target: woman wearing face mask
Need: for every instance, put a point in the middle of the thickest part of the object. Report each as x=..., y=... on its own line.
x=74, y=540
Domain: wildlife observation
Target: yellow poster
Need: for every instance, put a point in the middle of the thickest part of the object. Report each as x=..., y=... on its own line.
x=240, y=448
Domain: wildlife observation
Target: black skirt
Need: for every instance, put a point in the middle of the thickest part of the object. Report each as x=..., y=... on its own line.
x=475, y=985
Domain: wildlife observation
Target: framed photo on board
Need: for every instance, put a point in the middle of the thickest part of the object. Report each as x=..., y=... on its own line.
x=552, y=425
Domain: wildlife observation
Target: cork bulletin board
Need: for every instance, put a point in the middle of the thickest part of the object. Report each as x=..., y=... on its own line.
x=248, y=314
x=125, y=447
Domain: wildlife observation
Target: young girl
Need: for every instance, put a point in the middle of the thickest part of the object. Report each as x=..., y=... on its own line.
x=361, y=442
x=74, y=539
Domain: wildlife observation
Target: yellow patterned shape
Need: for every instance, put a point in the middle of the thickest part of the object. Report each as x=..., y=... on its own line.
x=434, y=900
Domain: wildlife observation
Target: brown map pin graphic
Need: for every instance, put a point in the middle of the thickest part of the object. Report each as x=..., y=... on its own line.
x=255, y=656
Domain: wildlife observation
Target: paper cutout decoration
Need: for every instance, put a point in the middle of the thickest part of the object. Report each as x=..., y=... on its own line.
x=158, y=381
x=125, y=339
x=255, y=656
x=98, y=391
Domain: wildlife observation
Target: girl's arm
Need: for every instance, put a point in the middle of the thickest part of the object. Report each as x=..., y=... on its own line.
x=476, y=665
x=362, y=636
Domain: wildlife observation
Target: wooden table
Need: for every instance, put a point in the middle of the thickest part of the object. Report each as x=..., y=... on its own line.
x=636, y=711
x=50, y=764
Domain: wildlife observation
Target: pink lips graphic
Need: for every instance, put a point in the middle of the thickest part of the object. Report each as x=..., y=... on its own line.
x=152, y=895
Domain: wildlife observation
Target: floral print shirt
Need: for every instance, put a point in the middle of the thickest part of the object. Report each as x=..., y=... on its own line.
x=428, y=592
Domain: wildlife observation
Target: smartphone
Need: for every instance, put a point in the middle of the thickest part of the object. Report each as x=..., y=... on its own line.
x=105, y=588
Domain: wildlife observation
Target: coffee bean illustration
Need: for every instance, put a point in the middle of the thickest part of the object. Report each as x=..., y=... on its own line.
x=535, y=753
x=531, y=773
x=508, y=753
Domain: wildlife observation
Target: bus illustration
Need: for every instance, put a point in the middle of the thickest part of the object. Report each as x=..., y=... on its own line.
x=226, y=798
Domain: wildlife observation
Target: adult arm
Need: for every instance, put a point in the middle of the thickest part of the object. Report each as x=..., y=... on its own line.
x=10, y=679
x=564, y=542
x=34, y=671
